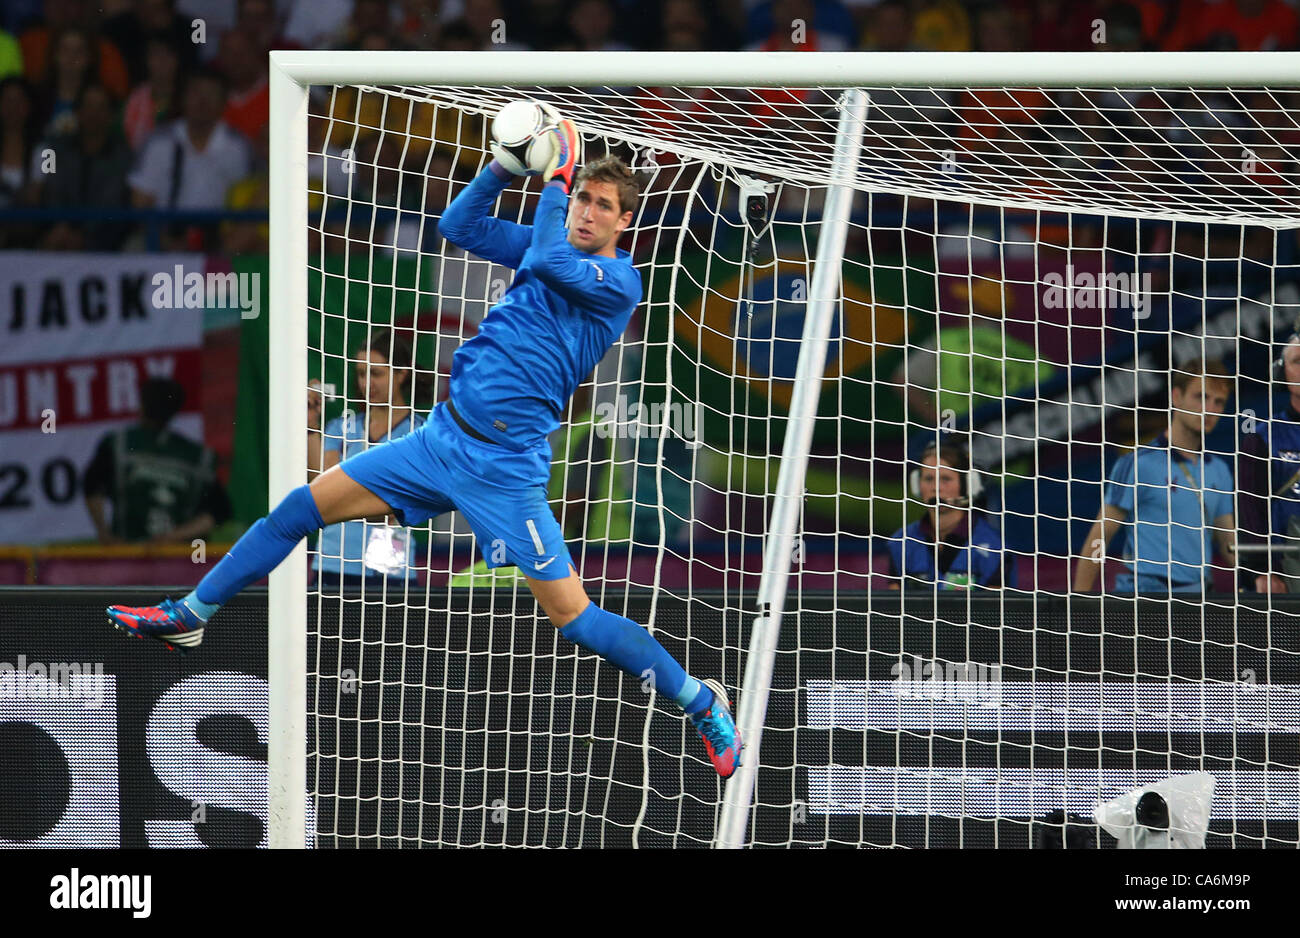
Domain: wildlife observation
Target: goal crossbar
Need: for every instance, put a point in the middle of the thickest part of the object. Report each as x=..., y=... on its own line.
x=791, y=69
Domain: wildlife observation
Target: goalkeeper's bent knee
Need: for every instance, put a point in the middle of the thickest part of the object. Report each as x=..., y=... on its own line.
x=297, y=515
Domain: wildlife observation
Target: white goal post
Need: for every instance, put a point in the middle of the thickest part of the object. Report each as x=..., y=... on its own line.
x=293, y=74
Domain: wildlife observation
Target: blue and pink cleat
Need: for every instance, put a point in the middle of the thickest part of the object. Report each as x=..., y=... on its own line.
x=718, y=730
x=169, y=622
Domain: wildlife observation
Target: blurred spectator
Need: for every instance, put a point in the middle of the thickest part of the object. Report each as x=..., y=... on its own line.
x=152, y=19
x=191, y=163
x=791, y=31
x=11, y=55
x=889, y=28
x=827, y=24
x=61, y=15
x=953, y=544
x=1055, y=25
x=1269, y=477
x=456, y=36
x=385, y=376
x=17, y=15
x=162, y=486
x=72, y=68
x=860, y=10
x=415, y=226
x=90, y=172
x=315, y=424
x=990, y=115
x=591, y=24
x=997, y=29
x=250, y=193
x=248, y=107
x=218, y=16
x=1087, y=137
x=487, y=21
x=1170, y=495
x=369, y=17
x=941, y=26
x=715, y=26
x=1248, y=25
x=1123, y=29
x=546, y=26
x=1170, y=25
x=358, y=116
x=260, y=21
x=311, y=24
x=418, y=23
x=18, y=133
x=325, y=163
x=682, y=26
x=157, y=99
x=361, y=120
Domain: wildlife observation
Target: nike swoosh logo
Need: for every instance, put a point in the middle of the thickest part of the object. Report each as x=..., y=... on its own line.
x=543, y=566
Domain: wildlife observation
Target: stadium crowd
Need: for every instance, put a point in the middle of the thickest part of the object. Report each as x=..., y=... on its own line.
x=163, y=104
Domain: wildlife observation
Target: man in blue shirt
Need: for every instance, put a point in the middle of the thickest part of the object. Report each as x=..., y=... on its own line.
x=952, y=545
x=1175, y=495
x=1269, y=479
x=484, y=451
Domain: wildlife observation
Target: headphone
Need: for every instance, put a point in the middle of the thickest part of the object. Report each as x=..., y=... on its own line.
x=957, y=457
x=1279, y=363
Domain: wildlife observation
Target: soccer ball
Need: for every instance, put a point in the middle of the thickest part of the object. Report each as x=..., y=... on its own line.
x=524, y=143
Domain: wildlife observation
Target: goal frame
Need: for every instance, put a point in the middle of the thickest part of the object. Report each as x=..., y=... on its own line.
x=293, y=73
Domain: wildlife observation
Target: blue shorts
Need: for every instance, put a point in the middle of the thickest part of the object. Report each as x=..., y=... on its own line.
x=501, y=493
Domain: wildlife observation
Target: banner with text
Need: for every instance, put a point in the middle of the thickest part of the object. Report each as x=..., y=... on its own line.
x=81, y=333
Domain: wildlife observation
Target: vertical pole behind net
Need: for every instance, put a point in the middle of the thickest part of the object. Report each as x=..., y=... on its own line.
x=287, y=387
x=777, y=553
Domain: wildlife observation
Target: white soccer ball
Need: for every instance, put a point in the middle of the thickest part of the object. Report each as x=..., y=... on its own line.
x=522, y=131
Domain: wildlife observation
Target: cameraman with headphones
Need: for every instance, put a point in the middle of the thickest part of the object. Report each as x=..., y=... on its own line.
x=1269, y=478
x=952, y=546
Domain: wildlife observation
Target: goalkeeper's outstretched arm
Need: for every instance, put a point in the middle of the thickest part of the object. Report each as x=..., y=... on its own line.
x=468, y=223
x=587, y=280
x=593, y=278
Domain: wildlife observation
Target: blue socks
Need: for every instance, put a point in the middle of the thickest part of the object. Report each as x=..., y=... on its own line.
x=618, y=640
x=258, y=552
x=634, y=651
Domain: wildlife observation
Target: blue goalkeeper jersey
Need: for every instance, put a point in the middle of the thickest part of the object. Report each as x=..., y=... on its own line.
x=559, y=317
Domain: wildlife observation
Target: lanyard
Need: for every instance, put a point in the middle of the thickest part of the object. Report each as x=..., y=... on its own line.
x=1196, y=489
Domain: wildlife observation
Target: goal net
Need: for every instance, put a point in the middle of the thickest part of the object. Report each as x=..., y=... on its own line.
x=1026, y=268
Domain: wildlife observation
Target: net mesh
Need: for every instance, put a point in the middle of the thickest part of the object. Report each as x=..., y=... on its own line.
x=1023, y=268
x=1193, y=154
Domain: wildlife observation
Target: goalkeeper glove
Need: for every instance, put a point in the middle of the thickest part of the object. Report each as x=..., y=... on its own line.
x=568, y=153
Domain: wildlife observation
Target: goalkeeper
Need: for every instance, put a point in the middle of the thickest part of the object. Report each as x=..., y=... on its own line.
x=484, y=451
